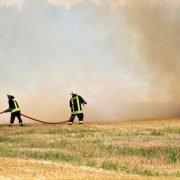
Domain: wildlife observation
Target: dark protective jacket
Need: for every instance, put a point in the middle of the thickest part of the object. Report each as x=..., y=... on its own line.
x=75, y=103
x=13, y=105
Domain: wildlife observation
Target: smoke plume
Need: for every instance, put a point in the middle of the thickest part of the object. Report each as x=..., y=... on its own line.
x=156, y=26
x=121, y=56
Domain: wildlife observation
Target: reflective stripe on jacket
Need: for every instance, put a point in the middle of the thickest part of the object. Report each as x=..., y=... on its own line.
x=16, y=106
x=76, y=105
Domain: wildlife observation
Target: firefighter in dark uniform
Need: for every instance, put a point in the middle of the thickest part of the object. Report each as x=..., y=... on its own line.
x=14, y=109
x=76, y=110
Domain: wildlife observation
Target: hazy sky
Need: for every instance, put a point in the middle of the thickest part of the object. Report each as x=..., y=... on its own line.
x=115, y=53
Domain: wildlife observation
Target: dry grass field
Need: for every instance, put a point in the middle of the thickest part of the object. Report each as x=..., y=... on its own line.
x=148, y=149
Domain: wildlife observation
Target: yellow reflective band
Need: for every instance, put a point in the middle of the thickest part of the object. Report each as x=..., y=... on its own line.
x=78, y=104
x=72, y=104
x=81, y=122
x=16, y=107
x=77, y=112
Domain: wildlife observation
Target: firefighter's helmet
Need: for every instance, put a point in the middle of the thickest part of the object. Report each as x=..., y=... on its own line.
x=73, y=92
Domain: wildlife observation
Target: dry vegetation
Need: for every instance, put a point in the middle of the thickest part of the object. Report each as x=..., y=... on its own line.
x=128, y=150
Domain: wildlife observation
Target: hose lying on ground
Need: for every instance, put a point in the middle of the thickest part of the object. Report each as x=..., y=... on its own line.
x=43, y=121
x=62, y=122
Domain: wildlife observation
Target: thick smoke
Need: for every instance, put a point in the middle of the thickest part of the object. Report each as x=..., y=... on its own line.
x=149, y=52
x=153, y=33
x=155, y=26
x=158, y=36
x=121, y=56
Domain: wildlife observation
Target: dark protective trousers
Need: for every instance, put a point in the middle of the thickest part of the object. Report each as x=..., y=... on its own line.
x=80, y=117
x=14, y=115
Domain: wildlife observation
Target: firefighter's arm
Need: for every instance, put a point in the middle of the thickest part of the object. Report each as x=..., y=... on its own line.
x=10, y=107
x=7, y=110
x=84, y=102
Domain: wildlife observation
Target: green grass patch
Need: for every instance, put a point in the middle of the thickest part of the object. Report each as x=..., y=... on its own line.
x=139, y=171
x=6, y=139
x=109, y=166
x=48, y=155
x=156, y=132
x=163, y=131
x=67, y=131
x=171, y=130
x=171, y=153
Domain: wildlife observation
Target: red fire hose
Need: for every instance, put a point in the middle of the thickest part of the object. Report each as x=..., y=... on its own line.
x=43, y=121
x=62, y=122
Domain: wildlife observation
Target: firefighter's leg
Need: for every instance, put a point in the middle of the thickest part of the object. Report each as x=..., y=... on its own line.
x=71, y=120
x=12, y=119
x=81, y=117
x=18, y=115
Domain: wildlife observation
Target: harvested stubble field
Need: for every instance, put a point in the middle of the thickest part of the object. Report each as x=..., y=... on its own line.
x=148, y=149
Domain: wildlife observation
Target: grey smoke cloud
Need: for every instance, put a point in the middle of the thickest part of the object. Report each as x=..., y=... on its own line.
x=121, y=56
x=157, y=30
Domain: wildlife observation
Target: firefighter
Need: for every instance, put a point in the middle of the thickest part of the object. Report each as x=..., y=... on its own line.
x=76, y=110
x=14, y=109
